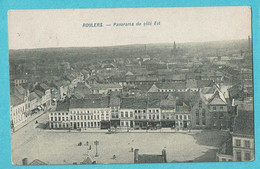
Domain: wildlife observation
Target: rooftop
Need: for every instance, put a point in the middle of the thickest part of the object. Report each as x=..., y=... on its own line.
x=14, y=100
x=44, y=86
x=62, y=106
x=244, y=123
x=133, y=103
x=90, y=103
x=33, y=96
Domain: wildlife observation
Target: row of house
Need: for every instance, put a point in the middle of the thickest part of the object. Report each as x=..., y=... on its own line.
x=24, y=102
x=211, y=109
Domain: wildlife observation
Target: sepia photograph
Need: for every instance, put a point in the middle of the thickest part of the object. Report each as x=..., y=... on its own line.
x=131, y=85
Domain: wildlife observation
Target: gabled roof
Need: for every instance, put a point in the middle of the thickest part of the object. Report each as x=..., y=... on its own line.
x=37, y=162
x=212, y=95
x=33, y=96
x=168, y=102
x=88, y=160
x=154, y=88
x=129, y=73
x=217, y=99
x=14, y=100
x=20, y=89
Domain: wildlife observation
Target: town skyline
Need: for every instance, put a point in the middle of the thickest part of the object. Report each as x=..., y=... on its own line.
x=140, y=44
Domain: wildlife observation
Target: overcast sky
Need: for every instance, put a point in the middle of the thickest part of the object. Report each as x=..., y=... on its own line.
x=63, y=28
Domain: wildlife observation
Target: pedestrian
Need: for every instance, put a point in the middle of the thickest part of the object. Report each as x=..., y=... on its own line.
x=36, y=122
x=90, y=147
x=87, y=143
x=114, y=157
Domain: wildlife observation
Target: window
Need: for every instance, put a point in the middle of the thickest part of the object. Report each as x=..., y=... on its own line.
x=122, y=114
x=200, y=104
x=221, y=115
x=239, y=158
x=247, y=143
x=158, y=117
x=197, y=119
x=131, y=114
x=203, y=121
x=177, y=117
x=214, y=108
x=223, y=159
x=51, y=118
x=238, y=143
x=185, y=117
x=221, y=108
x=181, y=117
x=126, y=114
x=247, y=156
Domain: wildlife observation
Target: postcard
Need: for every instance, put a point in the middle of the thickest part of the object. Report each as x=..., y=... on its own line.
x=131, y=85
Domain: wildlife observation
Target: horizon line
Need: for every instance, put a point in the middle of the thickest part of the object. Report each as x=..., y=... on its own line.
x=131, y=44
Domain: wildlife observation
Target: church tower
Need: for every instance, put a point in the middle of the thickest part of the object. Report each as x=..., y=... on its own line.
x=174, y=52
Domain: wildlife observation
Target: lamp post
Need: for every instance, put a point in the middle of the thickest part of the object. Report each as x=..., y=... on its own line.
x=96, y=144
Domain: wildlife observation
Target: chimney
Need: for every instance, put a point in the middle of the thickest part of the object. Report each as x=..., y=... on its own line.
x=25, y=161
x=164, y=155
x=136, y=154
